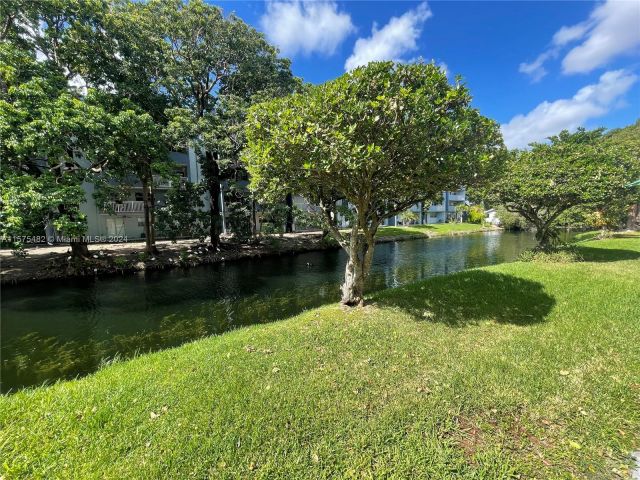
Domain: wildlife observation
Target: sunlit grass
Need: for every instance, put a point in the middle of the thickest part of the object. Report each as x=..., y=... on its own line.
x=429, y=230
x=526, y=369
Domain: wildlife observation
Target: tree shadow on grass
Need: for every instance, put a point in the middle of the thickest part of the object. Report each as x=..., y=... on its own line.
x=594, y=254
x=470, y=297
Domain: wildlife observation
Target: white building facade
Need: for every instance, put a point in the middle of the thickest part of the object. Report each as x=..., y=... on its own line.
x=125, y=219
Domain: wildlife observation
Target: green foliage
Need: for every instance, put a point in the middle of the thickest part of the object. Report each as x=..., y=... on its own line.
x=574, y=169
x=183, y=216
x=238, y=203
x=472, y=213
x=213, y=67
x=30, y=203
x=273, y=216
x=511, y=220
x=408, y=217
x=307, y=219
x=361, y=138
x=362, y=135
x=559, y=255
x=120, y=262
x=475, y=214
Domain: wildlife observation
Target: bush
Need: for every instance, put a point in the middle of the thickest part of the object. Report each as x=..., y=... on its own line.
x=475, y=214
x=408, y=217
x=560, y=255
x=510, y=220
x=307, y=219
x=273, y=218
x=183, y=216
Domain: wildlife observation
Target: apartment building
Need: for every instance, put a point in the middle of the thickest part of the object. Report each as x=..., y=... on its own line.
x=125, y=219
x=441, y=212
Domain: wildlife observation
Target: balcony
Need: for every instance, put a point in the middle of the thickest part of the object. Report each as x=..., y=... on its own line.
x=457, y=196
x=438, y=207
x=123, y=208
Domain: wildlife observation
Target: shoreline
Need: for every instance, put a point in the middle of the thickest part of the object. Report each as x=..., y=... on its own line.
x=55, y=263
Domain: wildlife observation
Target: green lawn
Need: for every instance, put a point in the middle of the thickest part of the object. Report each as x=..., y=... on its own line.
x=519, y=370
x=430, y=230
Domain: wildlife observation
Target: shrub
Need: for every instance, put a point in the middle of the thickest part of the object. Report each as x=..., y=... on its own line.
x=511, y=220
x=183, y=216
x=408, y=217
x=560, y=255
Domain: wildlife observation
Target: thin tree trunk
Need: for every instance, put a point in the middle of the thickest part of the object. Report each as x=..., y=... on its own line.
x=149, y=214
x=288, y=227
x=213, y=185
x=254, y=226
x=543, y=236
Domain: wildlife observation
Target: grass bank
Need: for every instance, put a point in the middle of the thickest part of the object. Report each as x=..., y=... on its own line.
x=518, y=370
x=432, y=230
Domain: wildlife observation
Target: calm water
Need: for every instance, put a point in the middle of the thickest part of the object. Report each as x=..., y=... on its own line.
x=63, y=329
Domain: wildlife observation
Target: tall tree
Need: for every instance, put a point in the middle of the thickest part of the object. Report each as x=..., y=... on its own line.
x=209, y=57
x=140, y=152
x=51, y=141
x=573, y=169
x=382, y=137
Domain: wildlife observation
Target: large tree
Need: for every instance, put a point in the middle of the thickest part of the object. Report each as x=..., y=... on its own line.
x=382, y=138
x=78, y=64
x=212, y=68
x=573, y=169
x=51, y=141
x=141, y=154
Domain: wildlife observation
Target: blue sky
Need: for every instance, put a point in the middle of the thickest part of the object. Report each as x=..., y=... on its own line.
x=535, y=67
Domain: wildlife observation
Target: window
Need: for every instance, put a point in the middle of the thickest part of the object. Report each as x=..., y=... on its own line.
x=140, y=222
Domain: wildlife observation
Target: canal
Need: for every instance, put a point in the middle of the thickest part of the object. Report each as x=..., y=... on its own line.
x=64, y=329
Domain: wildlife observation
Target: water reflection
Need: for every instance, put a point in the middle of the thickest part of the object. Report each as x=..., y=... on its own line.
x=68, y=328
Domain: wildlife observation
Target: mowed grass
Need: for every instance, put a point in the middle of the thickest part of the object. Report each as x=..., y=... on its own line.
x=430, y=230
x=523, y=370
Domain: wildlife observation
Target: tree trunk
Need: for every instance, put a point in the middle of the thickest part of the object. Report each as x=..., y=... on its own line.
x=288, y=227
x=353, y=286
x=254, y=226
x=543, y=236
x=360, y=253
x=212, y=172
x=79, y=248
x=149, y=214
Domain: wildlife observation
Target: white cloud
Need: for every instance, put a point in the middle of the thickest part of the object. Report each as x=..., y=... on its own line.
x=612, y=29
x=306, y=27
x=549, y=118
x=615, y=31
x=570, y=34
x=536, y=68
x=392, y=41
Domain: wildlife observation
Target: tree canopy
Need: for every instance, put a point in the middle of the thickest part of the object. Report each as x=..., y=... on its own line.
x=380, y=138
x=573, y=169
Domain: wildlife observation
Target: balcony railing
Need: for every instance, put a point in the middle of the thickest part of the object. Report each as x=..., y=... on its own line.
x=128, y=206
x=457, y=197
